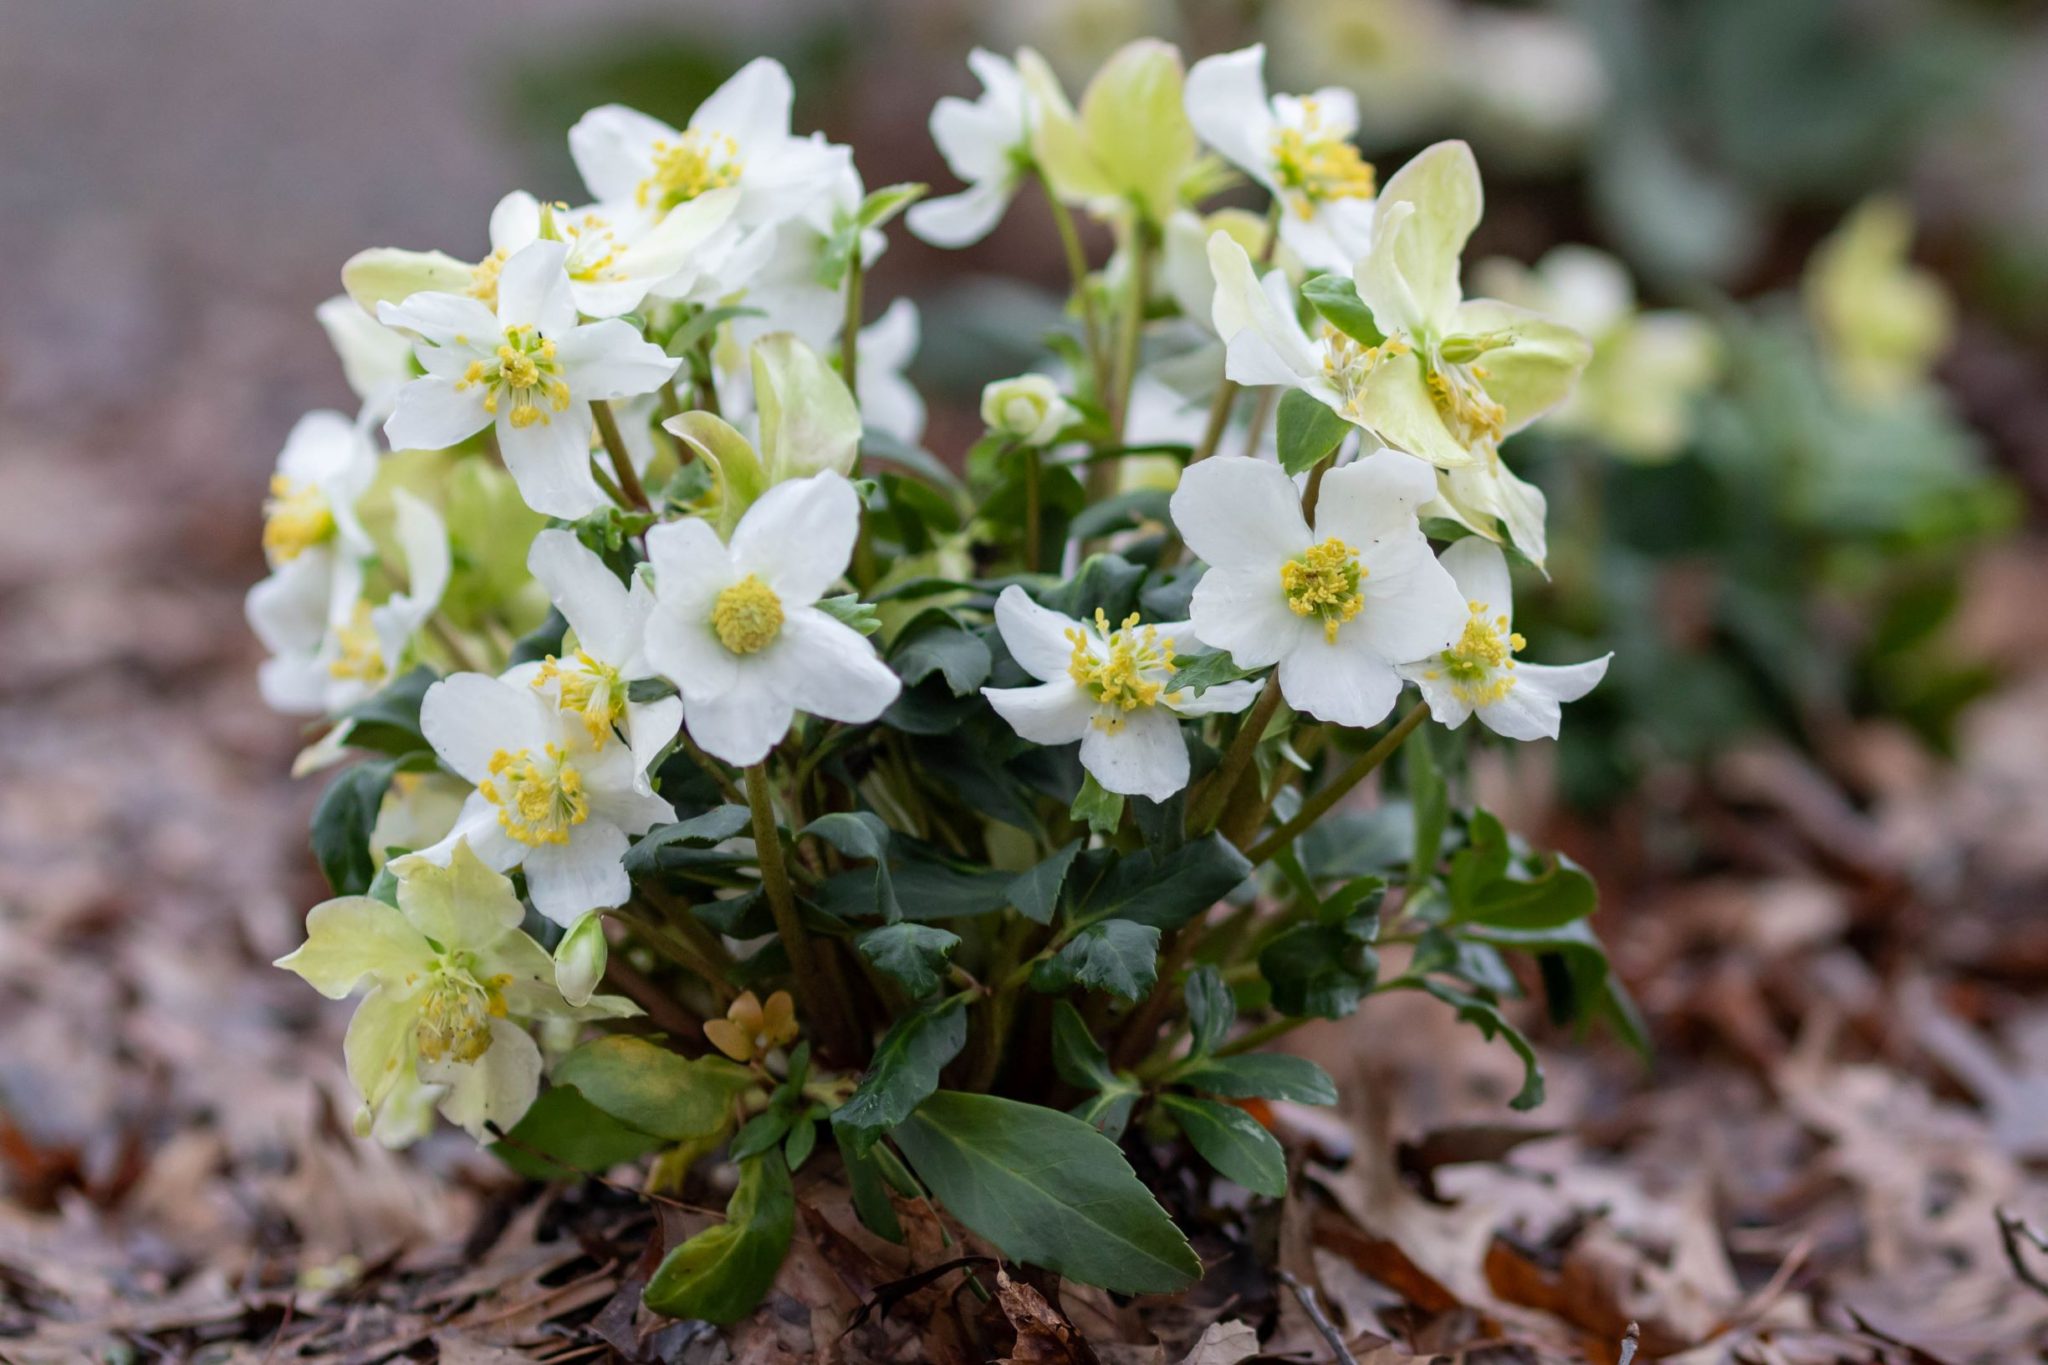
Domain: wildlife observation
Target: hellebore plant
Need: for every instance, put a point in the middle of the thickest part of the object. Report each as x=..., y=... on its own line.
x=729, y=770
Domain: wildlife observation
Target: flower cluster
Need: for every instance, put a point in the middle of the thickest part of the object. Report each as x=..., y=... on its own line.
x=654, y=631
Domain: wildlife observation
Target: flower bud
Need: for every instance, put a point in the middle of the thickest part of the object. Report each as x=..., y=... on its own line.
x=580, y=959
x=809, y=422
x=1029, y=409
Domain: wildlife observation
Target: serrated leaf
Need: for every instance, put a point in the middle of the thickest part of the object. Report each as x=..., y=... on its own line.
x=1036, y=893
x=1047, y=1189
x=1336, y=299
x=904, y=1072
x=1118, y=956
x=714, y=826
x=1262, y=1076
x=936, y=643
x=724, y=1271
x=1211, y=1009
x=914, y=954
x=1197, y=673
x=862, y=834
x=1322, y=970
x=1100, y=809
x=1167, y=892
x=848, y=610
x=1307, y=431
x=645, y=1085
x=1233, y=1142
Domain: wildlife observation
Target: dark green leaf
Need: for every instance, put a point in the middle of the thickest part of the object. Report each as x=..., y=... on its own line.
x=1197, y=673
x=761, y=1133
x=802, y=1140
x=1486, y=886
x=861, y=834
x=1036, y=893
x=1117, y=955
x=870, y=1191
x=914, y=954
x=1121, y=512
x=1322, y=970
x=1233, y=1142
x=1102, y=810
x=566, y=1137
x=347, y=814
x=389, y=720
x=876, y=444
x=1167, y=892
x=724, y=1271
x=1307, y=431
x=1076, y=1055
x=644, y=690
x=657, y=1091
x=1336, y=299
x=905, y=1070
x=1261, y=1075
x=1492, y=1024
x=936, y=643
x=715, y=826
x=1430, y=800
x=1046, y=1189
x=1211, y=1009
x=538, y=643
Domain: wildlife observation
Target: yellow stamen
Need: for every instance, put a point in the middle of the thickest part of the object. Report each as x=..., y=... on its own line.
x=1129, y=671
x=540, y=798
x=1323, y=581
x=747, y=616
x=696, y=163
x=296, y=517
x=358, y=653
x=454, y=1020
x=525, y=370
x=1318, y=165
x=1481, y=665
x=483, y=277
x=1468, y=410
x=1349, y=364
x=588, y=689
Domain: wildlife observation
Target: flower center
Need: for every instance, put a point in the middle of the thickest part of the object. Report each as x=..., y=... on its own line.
x=1348, y=363
x=586, y=688
x=524, y=370
x=1481, y=665
x=483, y=277
x=296, y=517
x=1322, y=581
x=539, y=798
x=1130, y=669
x=747, y=616
x=1319, y=165
x=454, y=1020
x=358, y=653
x=1457, y=387
x=594, y=248
x=695, y=163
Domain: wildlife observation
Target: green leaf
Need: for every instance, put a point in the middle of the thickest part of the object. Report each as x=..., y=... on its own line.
x=1211, y=1009
x=904, y=1072
x=657, y=1091
x=1102, y=810
x=885, y=203
x=1076, y=1055
x=724, y=1271
x=914, y=954
x=861, y=834
x=1307, y=430
x=870, y=1190
x=1261, y=1075
x=703, y=324
x=1121, y=512
x=848, y=610
x=1336, y=299
x=715, y=826
x=644, y=690
x=566, y=1137
x=1167, y=892
x=389, y=719
x=802, y=1140
x=1117, y=955
x=1322, y=970
x=1197, y=673
x=1590, y=990
x=1492, y=1024
x=1486, y=886
x=347, y=814
x=1036, y=893
x=936, y=643
x=876, y=444
x=761, y=1133
x=1430, y=800
x=1046, y=1189
x=1233, y=1142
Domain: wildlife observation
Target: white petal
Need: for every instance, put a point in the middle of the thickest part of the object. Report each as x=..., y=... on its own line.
x=957, y=220
x=1234, y=511
x=752, y=107
x=495, y=1091
x=567, y=881
x=691, y=569
x=613, y=148
x=432, y=414
x=1427, y=211
x=1244, y=612
x=650, y=727
x=1056, y=712
x=1036, y=636
x=829, y=669
x=468, y=717
x=515, y=222
x=478, y=826
x=740, y=726
x=1446, y=707
x=1480, y=570
x=443, y=319
x=1344, y=687
x=1264, y=343
x=1145, y=756
x=1224, y=699
x=550, y=461
x=610, y=359
x=1412, y=609
x=1226, y=102
x=975, y=139
x=353, y=937
x=1375, y=498
x=533, y=289
x=798, y=536
x=589, y=595
x=1531, y=710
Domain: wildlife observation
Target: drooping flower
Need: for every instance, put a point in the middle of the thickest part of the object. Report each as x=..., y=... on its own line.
x=751, y=1029
x=449, y=974
x=1130, y=147
x=591, y=682
x=987, y=143
x=738, y=139
x=530, y=369
x=545, y=798
x=1479, y=672
x=1029, y=409
x=1298, y=147
x=1882, y=321
x=736, y=629
x=1338, y=607
x=1110, y=686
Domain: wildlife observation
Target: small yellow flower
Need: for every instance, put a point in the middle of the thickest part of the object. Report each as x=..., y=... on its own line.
x=751, y=1029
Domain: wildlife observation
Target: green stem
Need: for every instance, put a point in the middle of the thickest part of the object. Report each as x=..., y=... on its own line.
x=1216, y=796
x=1260, y=414
x=1316, y=806
x=812, y=990
x=849, y=328
x=1219, y=420
x=1133, y=331
x=1033, y=462
x=1077, y=268
x=622, y=464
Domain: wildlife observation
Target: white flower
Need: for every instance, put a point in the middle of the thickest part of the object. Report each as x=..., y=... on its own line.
x=325, y=468
x=546, y=798
x=609, y=619
x=739, y=138
x=1479, y=673
x=1298, y=147
x=1111, y=688
x=1339, y=607
x=530, y=368
x=735, y=627
x=618, y=253
x=1029, y=409
x=888, y=401
x=449, y=972
x=987, y=143
x=376, y=361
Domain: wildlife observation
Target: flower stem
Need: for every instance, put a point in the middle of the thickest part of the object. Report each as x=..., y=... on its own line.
x=808, y=985
x=1033, y=463
x=1133, y=332
x=1077, y=267
x=849, y=328
x=1316, y=806
x=1216, y=795
x=1219, y=420
x=622, y=463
